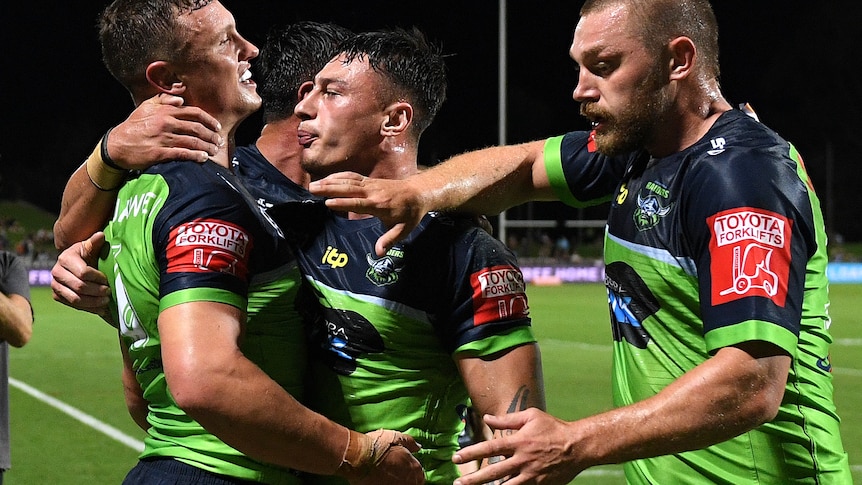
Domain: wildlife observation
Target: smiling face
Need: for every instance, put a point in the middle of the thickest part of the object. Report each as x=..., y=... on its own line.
x=622, y=86
x=216, y=65
x=342, y=117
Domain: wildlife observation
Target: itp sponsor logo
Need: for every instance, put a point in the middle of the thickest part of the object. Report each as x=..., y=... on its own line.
x=334, y=258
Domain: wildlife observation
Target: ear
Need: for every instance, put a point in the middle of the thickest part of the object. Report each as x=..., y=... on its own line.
x=683, y=54
x=398, y=118
x=161, y=76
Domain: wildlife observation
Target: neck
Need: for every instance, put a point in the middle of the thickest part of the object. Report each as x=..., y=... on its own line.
x=688, y=120
x=224, y=156
x=395, y=160
x=278, y=144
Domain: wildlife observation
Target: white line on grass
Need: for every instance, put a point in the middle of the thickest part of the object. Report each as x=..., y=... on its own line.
x=138, y=445
x=81, y=416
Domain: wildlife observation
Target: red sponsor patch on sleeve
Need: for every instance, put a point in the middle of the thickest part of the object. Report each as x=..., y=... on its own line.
x=750, y=254
x=499, y=293
x=209, y=245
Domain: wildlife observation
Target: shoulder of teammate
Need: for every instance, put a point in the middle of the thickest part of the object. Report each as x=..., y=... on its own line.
x=207, y=223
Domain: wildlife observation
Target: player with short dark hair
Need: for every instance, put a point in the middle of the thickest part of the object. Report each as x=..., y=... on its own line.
x=715, y=256
x=189, y=260
x=402, y=340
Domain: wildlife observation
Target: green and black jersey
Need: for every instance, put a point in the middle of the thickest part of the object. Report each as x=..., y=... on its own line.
x=182, y=232
x=719, y=244
x=385, y=331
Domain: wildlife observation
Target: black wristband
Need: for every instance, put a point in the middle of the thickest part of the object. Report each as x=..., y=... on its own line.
x=106, y=159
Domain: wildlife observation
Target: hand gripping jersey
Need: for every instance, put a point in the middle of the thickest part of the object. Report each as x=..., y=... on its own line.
x=713, y=246
x=182, y=232
x=384, y=330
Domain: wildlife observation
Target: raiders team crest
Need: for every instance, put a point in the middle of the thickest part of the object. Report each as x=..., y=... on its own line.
x=384, y=271
x=650, y=208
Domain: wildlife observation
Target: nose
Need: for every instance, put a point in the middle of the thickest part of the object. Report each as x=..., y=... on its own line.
x=304, y=108
x=249, y=50
x=585, y=90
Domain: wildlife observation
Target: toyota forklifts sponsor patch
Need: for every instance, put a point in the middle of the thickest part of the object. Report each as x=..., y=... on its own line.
x=207, y=245
x=750, y=251
x=499, y=293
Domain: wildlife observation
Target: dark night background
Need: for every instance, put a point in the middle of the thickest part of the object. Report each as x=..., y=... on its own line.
x=796, y=62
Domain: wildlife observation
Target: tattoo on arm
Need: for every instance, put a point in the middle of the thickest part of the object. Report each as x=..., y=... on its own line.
x=518, y=403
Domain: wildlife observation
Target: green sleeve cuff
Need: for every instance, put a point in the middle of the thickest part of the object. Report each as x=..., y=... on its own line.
x=203, y=294
x=496, y=343
x=554, y=169
x=751, y=330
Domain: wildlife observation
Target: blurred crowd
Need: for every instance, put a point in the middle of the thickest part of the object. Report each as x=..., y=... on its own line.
x=34, y=247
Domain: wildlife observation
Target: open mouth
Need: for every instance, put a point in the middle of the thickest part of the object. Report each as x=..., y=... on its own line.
x=246, y=77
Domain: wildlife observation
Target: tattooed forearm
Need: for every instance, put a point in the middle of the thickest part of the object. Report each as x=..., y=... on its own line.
x=520, y=401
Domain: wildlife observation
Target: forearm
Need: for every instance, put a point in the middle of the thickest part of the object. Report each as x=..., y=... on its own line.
x=16, y=320
x=486, y=181
x=726, y=396
x=250, y=412
x=88, y=200
x=212, y=381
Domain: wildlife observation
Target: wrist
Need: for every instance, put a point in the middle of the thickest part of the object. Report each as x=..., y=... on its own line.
x=103, y=151
x=103, y=176
x=356, y=461
x=364, y=453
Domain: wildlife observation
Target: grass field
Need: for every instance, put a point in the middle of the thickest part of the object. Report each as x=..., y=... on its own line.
x=73, y=360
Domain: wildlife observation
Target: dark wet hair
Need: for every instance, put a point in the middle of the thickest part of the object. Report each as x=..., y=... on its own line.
x=291, y=56
x=413, y=66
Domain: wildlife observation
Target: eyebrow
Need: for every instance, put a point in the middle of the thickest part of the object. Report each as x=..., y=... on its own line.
x=328, y=80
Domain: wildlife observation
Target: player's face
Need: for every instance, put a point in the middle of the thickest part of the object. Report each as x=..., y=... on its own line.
x=621, y=86
x=342, y=116
x=216, y=68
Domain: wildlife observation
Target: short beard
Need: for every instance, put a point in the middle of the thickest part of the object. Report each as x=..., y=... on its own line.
x=633, y=128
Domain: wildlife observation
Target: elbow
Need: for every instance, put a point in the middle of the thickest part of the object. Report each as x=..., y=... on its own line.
x=191, y=395
x=21, y=337
x=61, y=239
x=765, y=409
x=760, y=408
x=196, y=390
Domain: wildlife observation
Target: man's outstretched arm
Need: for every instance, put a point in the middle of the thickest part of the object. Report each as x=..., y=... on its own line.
x=733, y=392
x=485, y=181
x=159, y=129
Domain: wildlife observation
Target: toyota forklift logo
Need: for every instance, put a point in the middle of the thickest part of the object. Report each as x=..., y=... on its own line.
x=751, y=270
x=750, y=253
